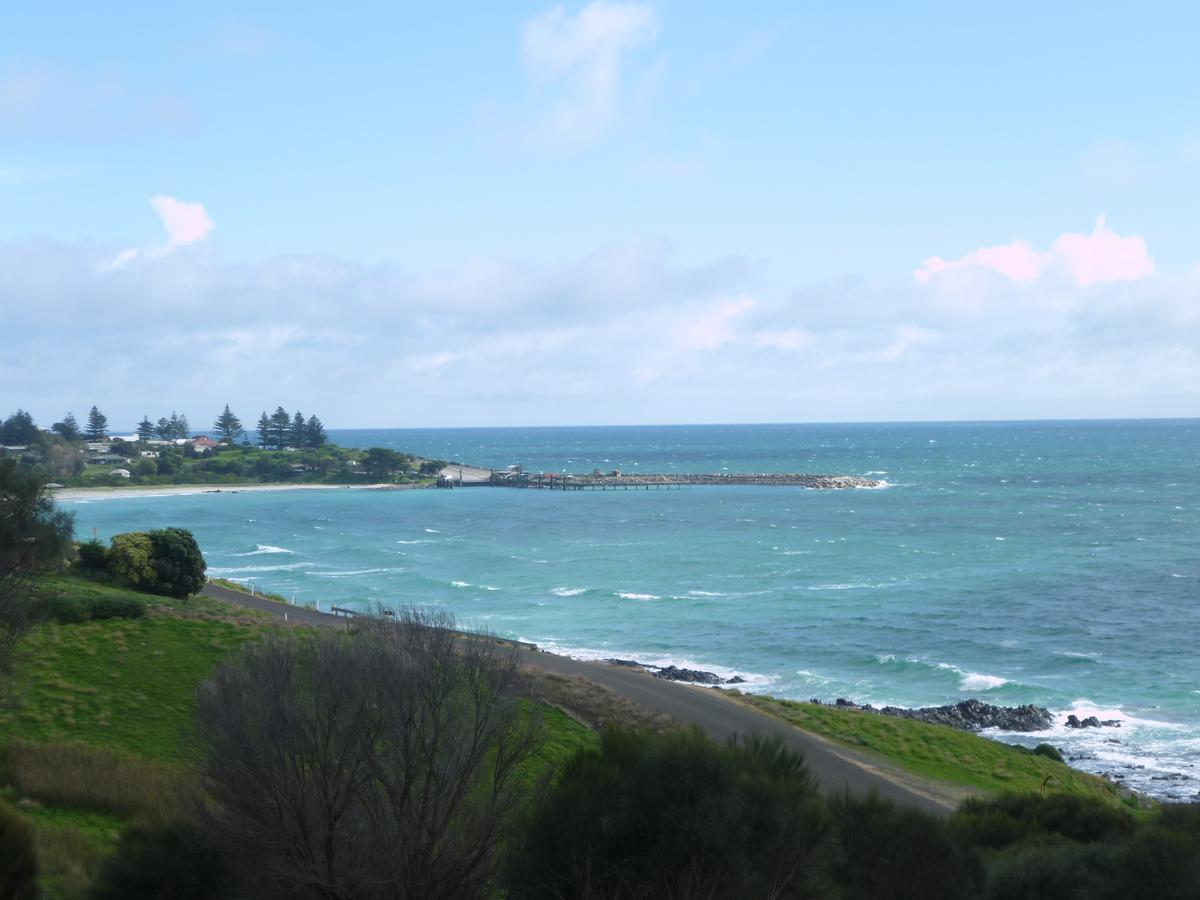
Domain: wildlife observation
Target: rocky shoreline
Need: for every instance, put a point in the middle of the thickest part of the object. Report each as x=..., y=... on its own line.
x=674, y=673
x=966, y=715
x=975, y=715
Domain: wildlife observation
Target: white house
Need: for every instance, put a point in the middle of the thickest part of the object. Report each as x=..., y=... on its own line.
x=120, y=473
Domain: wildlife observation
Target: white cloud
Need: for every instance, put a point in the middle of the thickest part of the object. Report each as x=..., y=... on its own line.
x=581, y=59
x=715, y=327
x=1101, y=257
x=622, y=335
x=184, y=223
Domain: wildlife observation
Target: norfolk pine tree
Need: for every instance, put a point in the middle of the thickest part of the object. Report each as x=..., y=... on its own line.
x=228, y=426
x=97, y=426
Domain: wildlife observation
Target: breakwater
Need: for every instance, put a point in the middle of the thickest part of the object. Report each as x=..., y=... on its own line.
x=472, y=476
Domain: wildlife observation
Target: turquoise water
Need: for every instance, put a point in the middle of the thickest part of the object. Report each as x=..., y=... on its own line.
x=1049, y=563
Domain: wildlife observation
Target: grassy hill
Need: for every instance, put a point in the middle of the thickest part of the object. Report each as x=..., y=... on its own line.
x=95, y=737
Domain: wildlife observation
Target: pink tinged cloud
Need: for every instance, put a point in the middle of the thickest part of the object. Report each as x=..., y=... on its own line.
x=1101, y=257
x=185, y=223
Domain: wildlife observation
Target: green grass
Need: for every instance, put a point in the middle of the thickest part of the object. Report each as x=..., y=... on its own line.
x=125, y=683
x=939, y=752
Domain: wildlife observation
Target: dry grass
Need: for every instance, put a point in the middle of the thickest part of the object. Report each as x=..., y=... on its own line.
x=79, y=776
x=69, y=861
x=589, y=703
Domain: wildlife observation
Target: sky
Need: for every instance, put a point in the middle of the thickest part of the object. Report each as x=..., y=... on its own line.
x=524, y=213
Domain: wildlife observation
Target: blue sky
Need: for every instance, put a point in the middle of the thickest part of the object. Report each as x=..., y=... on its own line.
x=526, y=213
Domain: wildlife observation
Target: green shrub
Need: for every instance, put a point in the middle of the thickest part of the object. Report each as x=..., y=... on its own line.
x=116, y=608
x=890, y=851
x=1049, y=751
x=1051, y=870
x=93, y=557
x=70, y=610
x=65, y=609
x=675, y=815
x=997, y=822
x=18, y=858
x=167, y=561
x=172, y=862
x=130, y=558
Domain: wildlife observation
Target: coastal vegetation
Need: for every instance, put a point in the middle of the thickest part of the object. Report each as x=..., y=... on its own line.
x=942, y=753
x=288, y=449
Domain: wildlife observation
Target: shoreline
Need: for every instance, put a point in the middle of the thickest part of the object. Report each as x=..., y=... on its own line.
x=167, y=490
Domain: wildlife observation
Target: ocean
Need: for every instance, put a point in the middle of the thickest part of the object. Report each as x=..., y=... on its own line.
x=1055, y=563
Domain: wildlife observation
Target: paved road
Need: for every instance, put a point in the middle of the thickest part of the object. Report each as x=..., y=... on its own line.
x=718, y=715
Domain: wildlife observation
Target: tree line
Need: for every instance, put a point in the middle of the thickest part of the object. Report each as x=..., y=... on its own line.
x=276, y=431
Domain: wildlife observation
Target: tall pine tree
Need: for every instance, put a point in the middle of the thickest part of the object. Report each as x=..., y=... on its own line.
x=97, y=426
x=298, y=433
x=281, y=423
x=264, y=430
x=228, y=426
x=314, y=433
x=145, y=429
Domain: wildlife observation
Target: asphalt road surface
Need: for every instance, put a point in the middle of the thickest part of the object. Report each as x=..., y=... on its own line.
x=718, y=715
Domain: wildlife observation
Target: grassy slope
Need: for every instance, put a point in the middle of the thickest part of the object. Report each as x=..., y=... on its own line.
x=130, y=684
x=939, y=752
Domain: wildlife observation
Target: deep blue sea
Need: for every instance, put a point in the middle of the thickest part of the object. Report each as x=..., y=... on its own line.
x=1055, y=563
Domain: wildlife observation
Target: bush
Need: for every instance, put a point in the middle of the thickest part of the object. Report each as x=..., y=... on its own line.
x=92, y=556
x=675, y=815
x=890, y=851
x=65, y=609
x=1049, y=751
x=70, y=610
x=130, y=558
x=1050, y=871
x=18, y=859
x=178, y=563
x=167, y=561
x=116, y=608
x=1009, y=819
x=171, y=861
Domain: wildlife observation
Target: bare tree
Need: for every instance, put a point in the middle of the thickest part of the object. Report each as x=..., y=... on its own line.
x=33, y=536
x=381, y=764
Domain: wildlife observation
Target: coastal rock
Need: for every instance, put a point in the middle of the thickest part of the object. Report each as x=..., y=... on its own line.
x=968, y=715
x=1073, y=721
x=691, y=676
x=675, y=673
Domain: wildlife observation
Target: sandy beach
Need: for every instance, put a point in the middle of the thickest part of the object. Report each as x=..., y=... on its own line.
x=168, y=490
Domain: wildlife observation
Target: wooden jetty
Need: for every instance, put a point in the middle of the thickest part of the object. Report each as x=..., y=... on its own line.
x=513, y=477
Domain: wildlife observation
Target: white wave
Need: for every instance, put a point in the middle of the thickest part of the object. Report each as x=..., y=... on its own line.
x=883, y=483
x=236, y=570
x=265, y=548
x=754, y=681
x=459, y=584
x=352, y=572
x=629, y=595
x=568, y=592
x=415, y=542
x=975, y=681
x=432, y=531
x=706, y=594
x=847, y=586
x=489, y=587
